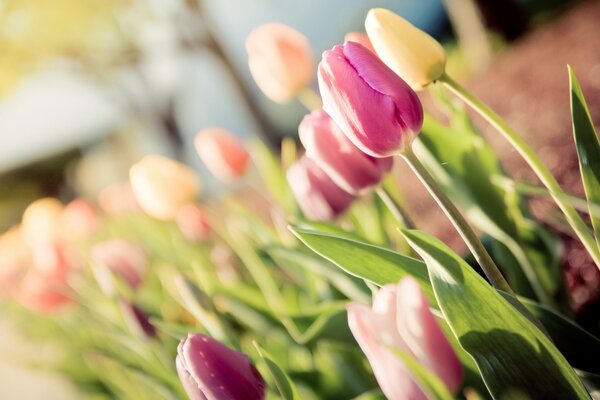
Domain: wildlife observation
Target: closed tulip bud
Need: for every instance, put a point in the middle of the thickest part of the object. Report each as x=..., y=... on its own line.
x=41, y=221
x=210, y=370
x=79, y=219
x=192, y=223
x=401, y=319
x=361, y=38
x=350, y=168
x=280, y=60
x=162, y=185
x=118, y=198
x=123, y=258
x=374, y=108
x=224, y=155
x=15, y=258
x=136, y=320
x=411, y=53
x=317, y=195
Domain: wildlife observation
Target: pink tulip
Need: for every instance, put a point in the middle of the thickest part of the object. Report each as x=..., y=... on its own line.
x=210, y=370
x=224, y=155
x=136, y=320
x=79, y=220
x=374, y=108
x=192, y=223
x=350, y=168
x=400, y=318
x=15, y=258
x=361, y=38
x=317, y=195
x=280, y=60
x=118, y=199
x=124, y=258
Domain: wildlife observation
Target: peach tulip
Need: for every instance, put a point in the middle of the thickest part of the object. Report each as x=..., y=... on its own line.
x=193, y=223
x=280, y=60
x=361, y=38
x=41, y=220
x=118, y=198
x=224, y=155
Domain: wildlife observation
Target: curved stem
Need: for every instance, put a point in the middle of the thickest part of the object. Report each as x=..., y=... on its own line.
x=309, y=99
x=460, y=223
x=395, y=209
x=536, y=164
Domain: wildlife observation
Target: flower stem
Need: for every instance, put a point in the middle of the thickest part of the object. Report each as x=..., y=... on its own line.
x=309, y=99
x=395, y=209
x=460, y=223
x=536, y=164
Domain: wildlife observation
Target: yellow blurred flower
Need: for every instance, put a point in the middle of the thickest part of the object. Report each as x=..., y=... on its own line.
x=161, y=186
x=41, y=221
x=411, y=53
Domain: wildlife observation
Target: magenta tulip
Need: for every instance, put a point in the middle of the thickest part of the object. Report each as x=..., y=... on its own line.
x=375, y=108
x=400, y=319
x=209, y=370
x=317, y=195
x=350, y=168
x=122, y=257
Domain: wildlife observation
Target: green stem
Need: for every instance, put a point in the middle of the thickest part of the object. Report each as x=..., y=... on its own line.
x=460, y=223
x=395, y=209
x=309, y=99
x=536, y=164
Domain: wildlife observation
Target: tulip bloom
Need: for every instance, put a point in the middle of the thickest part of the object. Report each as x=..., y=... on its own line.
x=118, y=198
x=317, y=195
x=136, y=320
x=162, y=185
x=192, y=223
x=123, y=258
x=361, y=38
x=350, y=168
x=411, y=53
x=79, y=219
x=210, y=370
x=280, y=61
x=41, y=220
x=224, y=155
x=401, y=319
x=374, y=108
x=15, y=258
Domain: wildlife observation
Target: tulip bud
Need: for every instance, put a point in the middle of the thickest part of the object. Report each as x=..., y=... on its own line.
x=79, y=219
x=15, y=258
x=41, y=220
x=317, y=195
x=350, y=169
x=400, y=319
x=123, y=258
x=411, y=53
x=162, y=185
x=210, y=370
x=117, y=199
x=374, y=108
x=192, y=223
x=280, y=61
x=136, y=320
x=361, y=38
x=223, y=154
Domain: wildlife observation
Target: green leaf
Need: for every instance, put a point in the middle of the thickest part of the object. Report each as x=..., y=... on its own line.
x=514, y=357
x=282, y=381
x=372, y=263
x=588, y=148
x=428, y=381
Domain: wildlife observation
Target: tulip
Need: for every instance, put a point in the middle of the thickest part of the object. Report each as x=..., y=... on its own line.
x=280, y=61
x=374, y=108
x=41, y=220
x=350, y=169
x=118, y=198
x=124, y=258
x=411, y=53
x=361, y=38
x=79, y=219
x=192, y=223
x=223, y=154
x=15, y=258
x=210, y=370
x=401, y=319
x=162, y=185
x=317, y=195
x=136, y=320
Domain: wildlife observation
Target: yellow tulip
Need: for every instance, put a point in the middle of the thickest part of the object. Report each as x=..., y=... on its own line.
x=411, y=53
x=161, y=186
x=41, y=220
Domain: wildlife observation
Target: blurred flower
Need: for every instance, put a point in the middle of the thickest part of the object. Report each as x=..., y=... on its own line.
x=317, y=195
x=210, y=370
x=136, y=320
x=162, y=185
x=117, y=199
x=400, y=319
x=361, y=38
x=122, y=257
x=350, y=168
x=41, y=221
x=411, y=53
x=192, y=223
x=224, y=155
x=280, y=60
x=79, y=219
x=374, y=108
x=15, y=258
